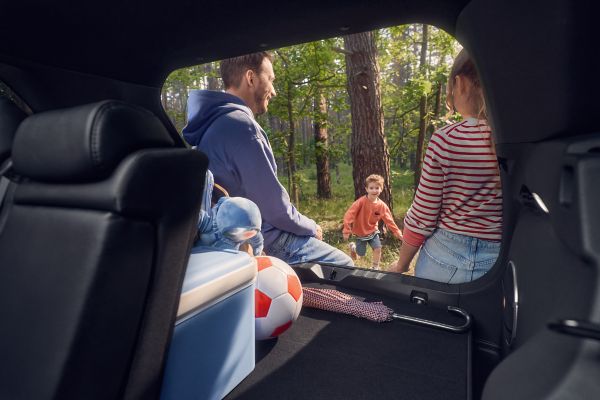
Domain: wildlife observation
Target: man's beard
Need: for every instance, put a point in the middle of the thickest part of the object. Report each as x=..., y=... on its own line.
x=261, y=108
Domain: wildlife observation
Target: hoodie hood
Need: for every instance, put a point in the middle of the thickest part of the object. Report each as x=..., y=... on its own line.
x=204, y=107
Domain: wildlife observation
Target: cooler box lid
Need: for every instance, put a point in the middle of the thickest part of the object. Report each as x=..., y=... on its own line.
x=213, y=275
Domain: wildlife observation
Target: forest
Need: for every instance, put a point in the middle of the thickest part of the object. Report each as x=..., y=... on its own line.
x=346, y=107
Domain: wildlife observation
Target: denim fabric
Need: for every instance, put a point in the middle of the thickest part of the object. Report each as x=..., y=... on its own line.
x=303, y=249
x=452, y=258
x=209, y=185
x=230, y=223
x=361, y=244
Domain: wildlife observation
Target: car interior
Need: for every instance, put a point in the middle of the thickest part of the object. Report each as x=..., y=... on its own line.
x=99, y=198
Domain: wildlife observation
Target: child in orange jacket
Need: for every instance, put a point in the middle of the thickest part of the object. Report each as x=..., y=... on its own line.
x=362, y=217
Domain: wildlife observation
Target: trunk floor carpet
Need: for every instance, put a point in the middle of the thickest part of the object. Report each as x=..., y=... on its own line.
x=326, y=355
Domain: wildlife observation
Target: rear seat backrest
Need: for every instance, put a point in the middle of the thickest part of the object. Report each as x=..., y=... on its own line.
x=10, y=118
x=93, y=252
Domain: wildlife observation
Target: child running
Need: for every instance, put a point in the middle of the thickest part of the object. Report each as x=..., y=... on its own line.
x=456, y=215
x=362, y=217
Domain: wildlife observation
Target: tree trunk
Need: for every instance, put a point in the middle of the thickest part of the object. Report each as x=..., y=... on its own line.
x=369, y=148
x=402, y=66
x=181, y=107
x=276, y=127
x=163, y=100
x=437, y=108
x=422, y=112
x=322, y=147
x=213, y=83
x=293, y=188
x=306, y=133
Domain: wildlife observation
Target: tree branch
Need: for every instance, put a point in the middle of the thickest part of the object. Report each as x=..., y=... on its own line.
x=313, y=79
x=343, y=51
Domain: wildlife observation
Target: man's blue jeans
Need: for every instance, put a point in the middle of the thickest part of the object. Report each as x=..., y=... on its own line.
x=305, y=249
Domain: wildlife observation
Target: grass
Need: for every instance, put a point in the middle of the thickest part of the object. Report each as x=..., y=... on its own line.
x=329, y=213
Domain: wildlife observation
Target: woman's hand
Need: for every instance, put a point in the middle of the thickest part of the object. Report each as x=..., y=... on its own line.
x=407, y=253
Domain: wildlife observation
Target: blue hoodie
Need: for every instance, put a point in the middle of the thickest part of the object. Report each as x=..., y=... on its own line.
x=241, y=160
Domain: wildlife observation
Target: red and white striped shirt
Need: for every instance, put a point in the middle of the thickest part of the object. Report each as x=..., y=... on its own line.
x=459, y=189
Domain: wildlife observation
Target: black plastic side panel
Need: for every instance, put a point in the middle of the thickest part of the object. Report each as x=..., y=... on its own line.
x=47, y=88
x=555, y=252
x=535, y=65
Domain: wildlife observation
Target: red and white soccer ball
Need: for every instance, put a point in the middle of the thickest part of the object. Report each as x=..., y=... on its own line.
x=278, y=297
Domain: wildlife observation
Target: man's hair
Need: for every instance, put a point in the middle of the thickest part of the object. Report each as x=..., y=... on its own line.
x=232, y=69
x=375, y=178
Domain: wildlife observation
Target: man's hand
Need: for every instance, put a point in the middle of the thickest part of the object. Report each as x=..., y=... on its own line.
x=346, y=236
x=399, y=237
x=319, y=234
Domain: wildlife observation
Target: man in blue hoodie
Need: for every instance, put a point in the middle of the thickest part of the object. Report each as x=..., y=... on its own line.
x=222, y=125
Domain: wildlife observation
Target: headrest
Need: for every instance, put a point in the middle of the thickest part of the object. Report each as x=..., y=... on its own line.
x=84, y=143
x=10, y=118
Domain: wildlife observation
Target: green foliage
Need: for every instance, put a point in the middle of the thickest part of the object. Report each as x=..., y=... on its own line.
x=304, y=73
x=405, y=81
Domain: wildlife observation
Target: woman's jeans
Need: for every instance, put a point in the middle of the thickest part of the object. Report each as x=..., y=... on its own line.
x=295, y=249
x=452, y=258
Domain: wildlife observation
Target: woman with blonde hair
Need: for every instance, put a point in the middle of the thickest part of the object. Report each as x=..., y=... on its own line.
x=456, y=216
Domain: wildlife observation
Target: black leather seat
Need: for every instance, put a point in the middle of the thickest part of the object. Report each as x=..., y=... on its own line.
x=10, y=118
x=93, y=253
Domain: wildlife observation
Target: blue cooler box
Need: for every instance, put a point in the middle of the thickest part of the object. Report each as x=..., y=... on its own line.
x=212, y=349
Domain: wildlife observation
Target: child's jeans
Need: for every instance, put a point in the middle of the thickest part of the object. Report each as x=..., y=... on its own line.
x=452, y=258
x=361, y=244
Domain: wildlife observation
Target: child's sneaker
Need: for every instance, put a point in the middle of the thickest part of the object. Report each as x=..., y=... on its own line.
x=352, y=247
